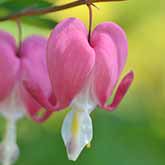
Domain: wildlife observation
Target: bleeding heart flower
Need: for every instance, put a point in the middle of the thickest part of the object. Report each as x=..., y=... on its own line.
x=27, y=62
x=83, y=76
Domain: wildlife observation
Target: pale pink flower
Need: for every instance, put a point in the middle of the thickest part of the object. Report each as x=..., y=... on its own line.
x=83, y=76
x=27, y=62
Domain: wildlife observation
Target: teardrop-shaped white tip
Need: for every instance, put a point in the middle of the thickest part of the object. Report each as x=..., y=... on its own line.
x=77, y=132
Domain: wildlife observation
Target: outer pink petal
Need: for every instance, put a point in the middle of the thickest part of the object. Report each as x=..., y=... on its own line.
x=70, y=59
x=117, y=34
x=34, y=71
x=38, y=94
x=34, y=108
x=9, y=64
x=110, y=44
x=121, y=91
x=105, y=72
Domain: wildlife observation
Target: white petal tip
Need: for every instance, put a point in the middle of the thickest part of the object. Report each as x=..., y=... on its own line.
x=77, y=133
x=73, y=151
x=72, y=158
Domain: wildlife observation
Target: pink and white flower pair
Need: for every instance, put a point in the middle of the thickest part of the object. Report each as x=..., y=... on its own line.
x=83, y=76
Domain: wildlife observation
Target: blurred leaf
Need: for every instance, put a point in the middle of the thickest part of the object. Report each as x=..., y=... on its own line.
x=16, y=5
x=39, y=21
x=2, y=1
x=12, y=6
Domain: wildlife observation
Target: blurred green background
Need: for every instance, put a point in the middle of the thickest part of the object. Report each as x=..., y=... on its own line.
x=135, y=133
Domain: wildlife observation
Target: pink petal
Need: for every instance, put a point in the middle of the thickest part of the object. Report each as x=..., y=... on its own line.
x=34, y=71
x=38, y=95
x=105, y=73
x=121, y=91
x=9, y=39
x=117, y=34
x=110, y=45
x=9, y=64
x=70, y=59
x=34, y=107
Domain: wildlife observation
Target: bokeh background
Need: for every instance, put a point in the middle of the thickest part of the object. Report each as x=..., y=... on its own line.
x=135, y=133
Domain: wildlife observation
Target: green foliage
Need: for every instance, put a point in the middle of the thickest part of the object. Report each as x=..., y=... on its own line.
x=12, y=6
x=15, y=5
x=3, y=1
x=39, y=21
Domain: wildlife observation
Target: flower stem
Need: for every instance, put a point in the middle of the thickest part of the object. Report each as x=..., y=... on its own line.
x=19, y=27
x=10, y=149
x=90, y=20
x=32, y=12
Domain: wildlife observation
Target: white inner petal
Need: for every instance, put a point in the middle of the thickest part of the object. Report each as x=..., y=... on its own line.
x=84, y=101
x=12, y=107
x=76, y=134
x=77, y=130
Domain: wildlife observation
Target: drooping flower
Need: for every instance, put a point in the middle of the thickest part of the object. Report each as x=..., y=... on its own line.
x=83, y=76
x=27, y=62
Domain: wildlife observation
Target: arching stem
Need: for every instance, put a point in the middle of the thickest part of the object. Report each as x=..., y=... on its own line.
x=18, y=22
x=33, y=12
